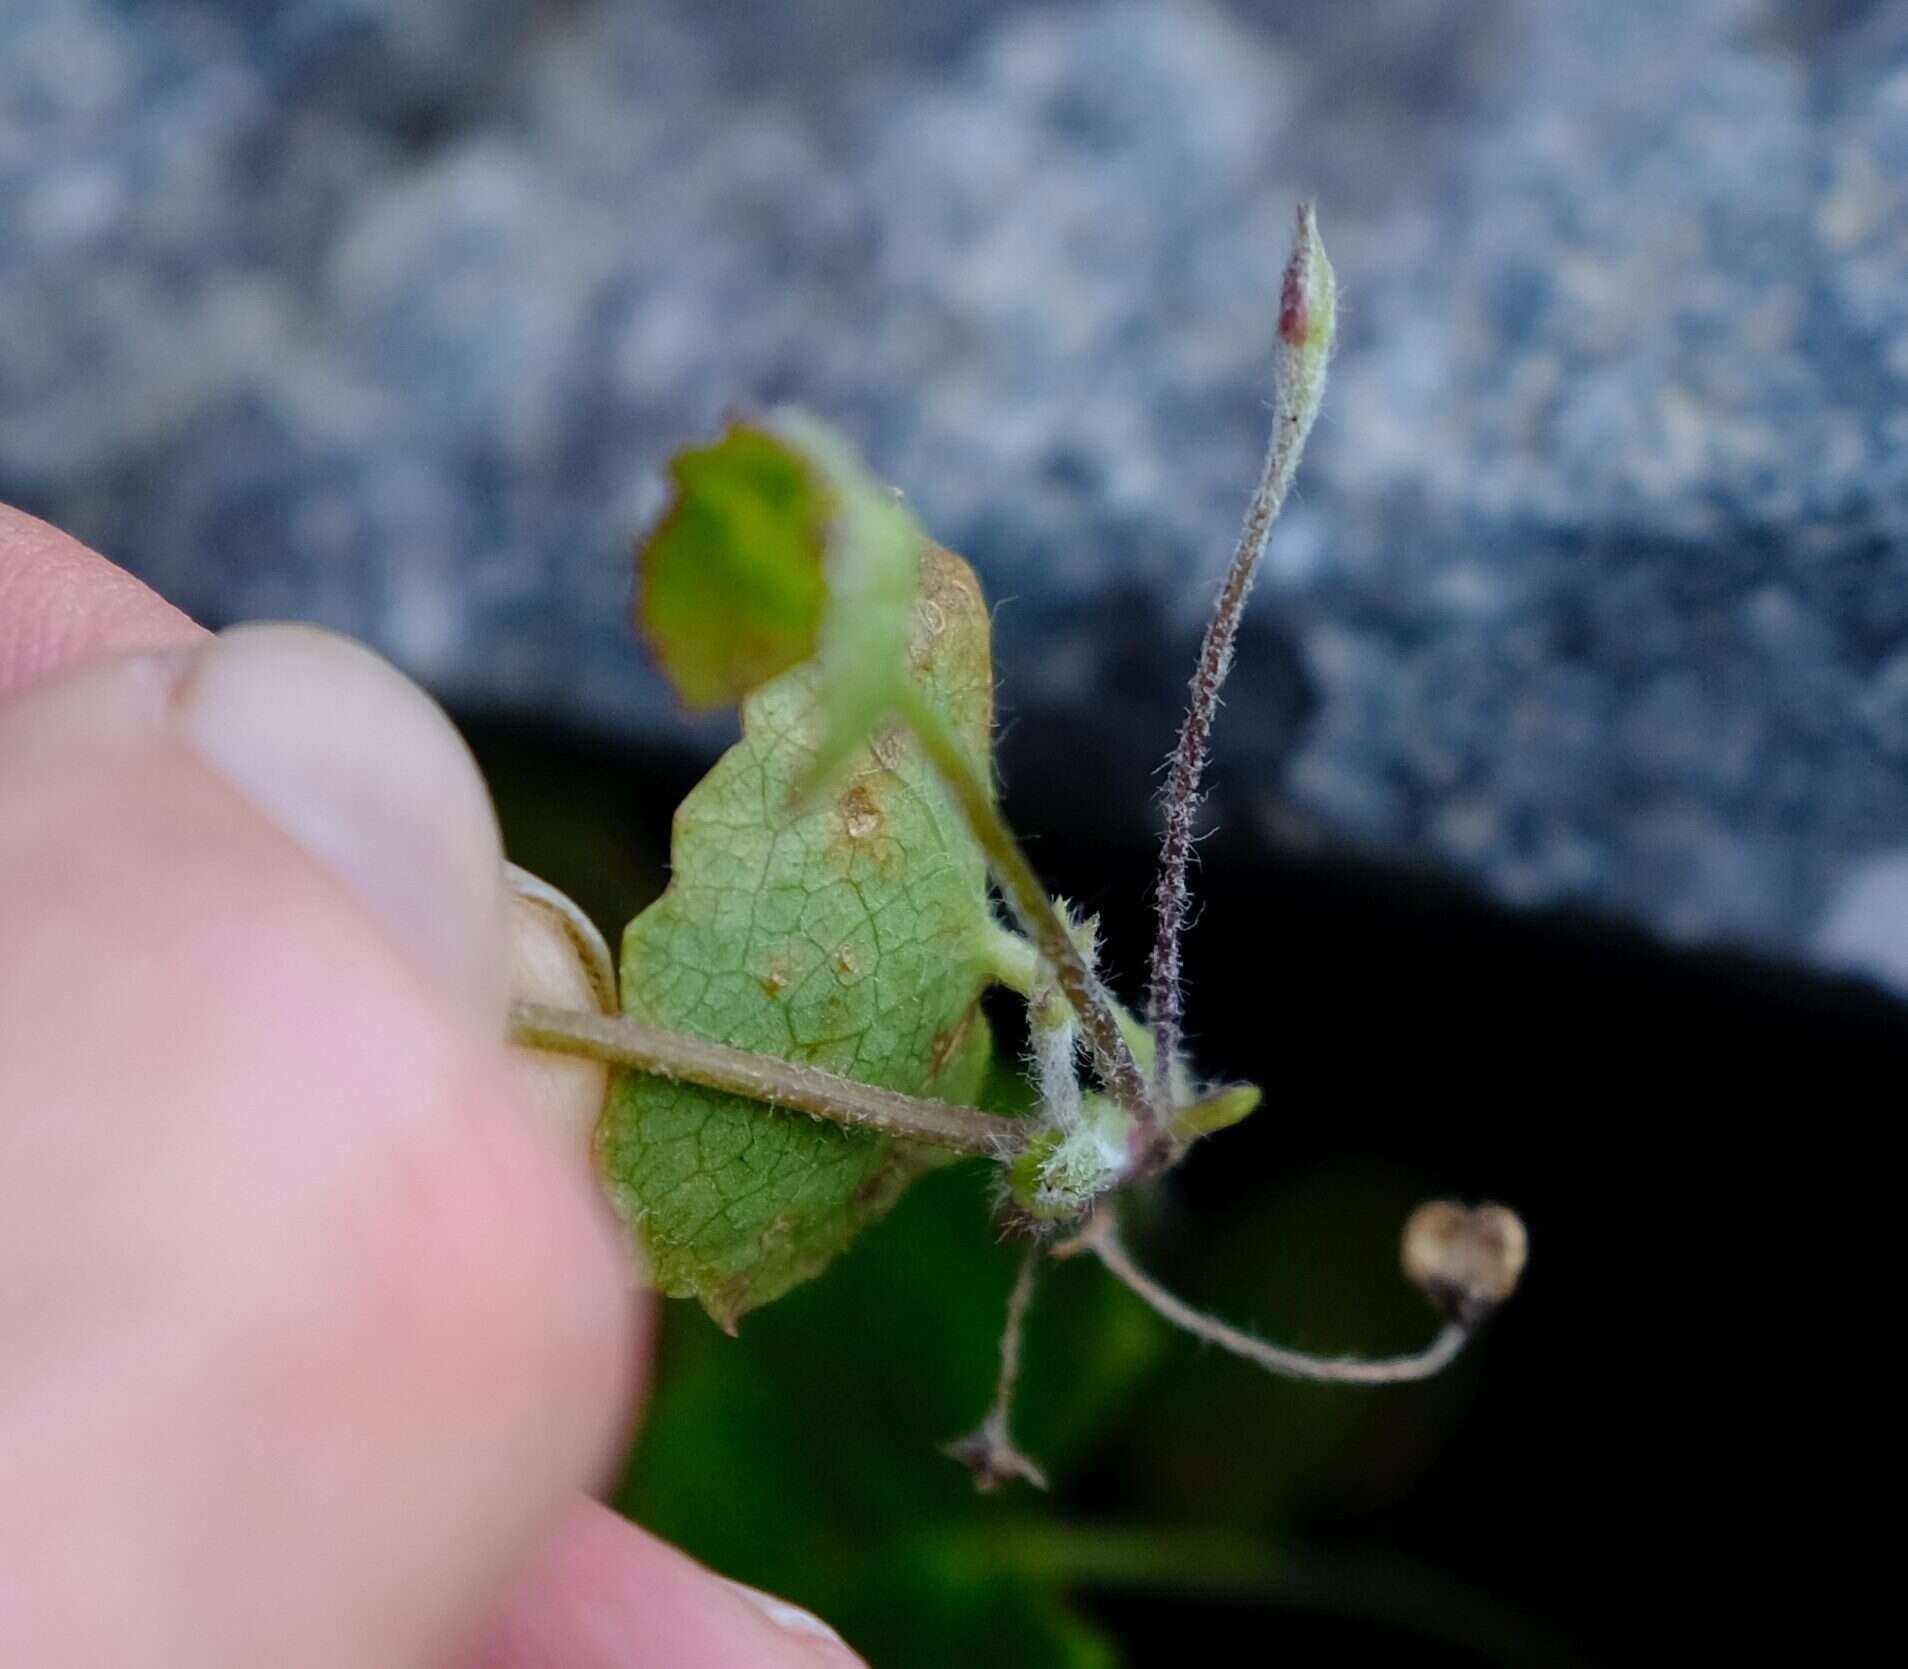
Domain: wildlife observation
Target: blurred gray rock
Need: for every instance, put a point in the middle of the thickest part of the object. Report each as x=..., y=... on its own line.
x=1597, y=588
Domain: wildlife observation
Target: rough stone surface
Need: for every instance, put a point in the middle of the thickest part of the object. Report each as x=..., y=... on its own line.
x=1597, y=589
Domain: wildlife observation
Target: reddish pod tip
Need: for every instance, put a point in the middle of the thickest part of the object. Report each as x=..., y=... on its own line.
x=1298, y=293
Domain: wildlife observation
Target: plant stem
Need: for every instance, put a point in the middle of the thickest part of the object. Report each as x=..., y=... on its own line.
x=1307, y=313
x=1099, y=1024
x=621, y=1040
x=1012, y=965
x=1100, y=1238
x=1018, y=1302
x=988, y=1451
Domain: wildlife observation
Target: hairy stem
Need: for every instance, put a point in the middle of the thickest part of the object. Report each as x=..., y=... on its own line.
x=1012, y=964
x=1099, y=1023
x=988, y=1451
x=1018, y=1302
x=1100, y=1238
x=1306, y=317
x=621, y=1040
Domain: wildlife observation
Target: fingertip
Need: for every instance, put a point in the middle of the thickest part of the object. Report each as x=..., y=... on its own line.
x=605, y=1594
x=535, y=1276
x=367, y=774
x=387, y=1313
x=60, y=602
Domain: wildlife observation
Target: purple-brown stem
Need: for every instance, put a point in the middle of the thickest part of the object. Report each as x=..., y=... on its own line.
x=1307, y=315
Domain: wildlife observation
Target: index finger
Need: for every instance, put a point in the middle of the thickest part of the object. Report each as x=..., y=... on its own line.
x=61, y=603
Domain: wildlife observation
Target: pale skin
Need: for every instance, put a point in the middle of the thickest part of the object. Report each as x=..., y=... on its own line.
x=315, y=1336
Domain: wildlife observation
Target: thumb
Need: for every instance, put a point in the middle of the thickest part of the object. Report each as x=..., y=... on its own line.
x=278, y=1237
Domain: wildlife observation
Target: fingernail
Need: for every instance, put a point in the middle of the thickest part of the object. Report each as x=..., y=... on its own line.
x=563, y=958
x=364, y=771
x=558, y=958
x=790, y=1619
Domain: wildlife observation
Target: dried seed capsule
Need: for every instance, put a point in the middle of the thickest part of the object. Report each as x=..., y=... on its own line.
x=1465, y=1259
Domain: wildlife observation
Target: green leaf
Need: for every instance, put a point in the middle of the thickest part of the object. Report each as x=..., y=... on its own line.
x=780, y=546
x=873, y=568
x=731, y=579
x=854, y=934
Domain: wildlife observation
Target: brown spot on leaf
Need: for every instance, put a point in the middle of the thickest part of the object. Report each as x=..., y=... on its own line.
x=861, y=814
x=871, y=1187
x=777, y=976
x=949, y=595
x=947, y=1044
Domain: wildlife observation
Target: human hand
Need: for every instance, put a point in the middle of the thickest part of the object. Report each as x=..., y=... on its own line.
x=313, y=1328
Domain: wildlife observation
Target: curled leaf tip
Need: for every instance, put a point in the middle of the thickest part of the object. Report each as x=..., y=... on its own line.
x=779, y=547
x=730, y=582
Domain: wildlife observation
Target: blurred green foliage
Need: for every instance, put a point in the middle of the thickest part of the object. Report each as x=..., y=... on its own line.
x=804, y=1456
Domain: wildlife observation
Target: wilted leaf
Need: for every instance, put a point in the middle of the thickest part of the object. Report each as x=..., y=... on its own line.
x=780, y=546
x=851, y=934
